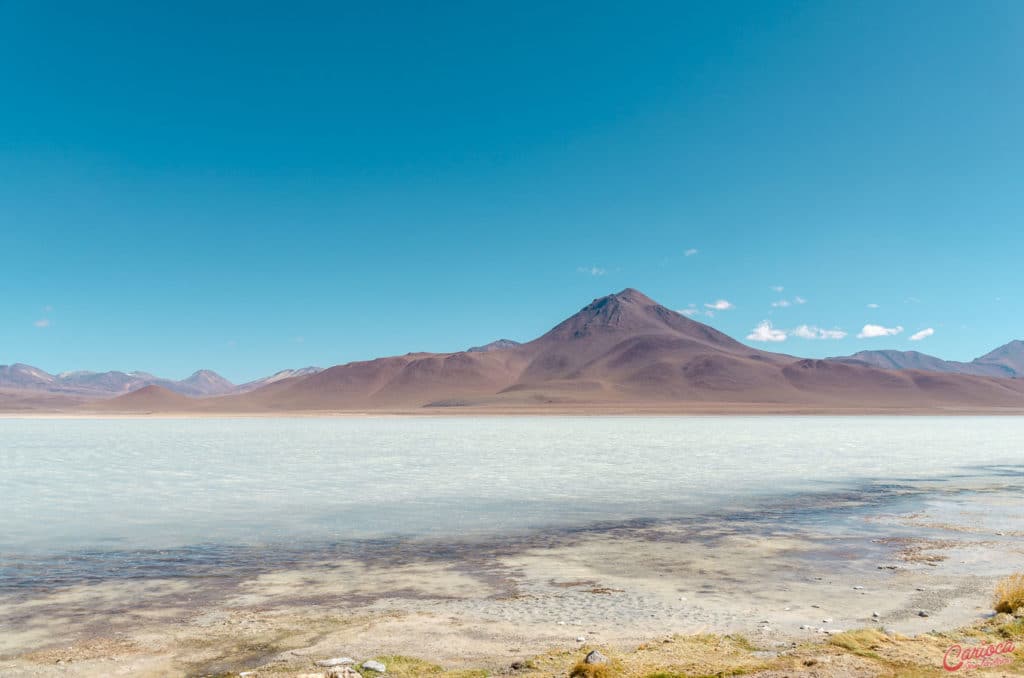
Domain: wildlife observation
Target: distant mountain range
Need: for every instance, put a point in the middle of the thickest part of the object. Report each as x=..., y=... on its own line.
x=1006, y=361
x=620, y=353
x=202, y=383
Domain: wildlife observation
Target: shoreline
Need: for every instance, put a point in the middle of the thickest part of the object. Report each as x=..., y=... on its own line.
x=582, y=411
x=762, y=574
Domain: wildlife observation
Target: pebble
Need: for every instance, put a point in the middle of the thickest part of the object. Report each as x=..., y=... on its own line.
x=581, y=639
x=595, y=657
x=826, y=620
x=875, y=615
x=858, y=588
x=374, y=666
x=335, y=661
x=922, y=613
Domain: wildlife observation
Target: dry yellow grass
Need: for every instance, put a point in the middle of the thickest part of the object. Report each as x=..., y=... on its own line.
x=584, y=670
x=1009, y=595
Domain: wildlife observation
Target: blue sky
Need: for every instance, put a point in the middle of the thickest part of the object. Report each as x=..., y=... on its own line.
x=250, y=187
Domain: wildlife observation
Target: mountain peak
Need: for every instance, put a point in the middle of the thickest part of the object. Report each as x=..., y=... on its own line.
x=633, y=295
x=631, y=312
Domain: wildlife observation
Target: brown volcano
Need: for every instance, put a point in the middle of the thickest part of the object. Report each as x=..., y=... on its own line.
x=623, y=352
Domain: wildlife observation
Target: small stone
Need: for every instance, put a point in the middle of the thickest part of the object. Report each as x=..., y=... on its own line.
x=581, y=639
x=858, y=588
x=833, y=632
x=595, y=657
x=875, y=615
x=826, y=620
x=922, y=613
x=335, y=661
x=806, y=627
x=374, y=666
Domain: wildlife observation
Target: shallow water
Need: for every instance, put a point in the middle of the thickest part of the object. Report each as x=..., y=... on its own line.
x=232, y=486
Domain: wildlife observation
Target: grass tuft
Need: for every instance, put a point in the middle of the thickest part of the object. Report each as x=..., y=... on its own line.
x=1009, y=595
x=585, y=670
x=861, y=642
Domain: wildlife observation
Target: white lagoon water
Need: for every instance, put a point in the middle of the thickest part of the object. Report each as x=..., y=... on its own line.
x=69, y=485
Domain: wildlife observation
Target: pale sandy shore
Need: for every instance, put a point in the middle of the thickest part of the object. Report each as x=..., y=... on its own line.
x=587, y=409
x=785, y=577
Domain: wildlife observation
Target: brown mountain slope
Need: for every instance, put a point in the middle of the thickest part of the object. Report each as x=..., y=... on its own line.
x=147, y=399
x=1007, y=359
x=620, y=351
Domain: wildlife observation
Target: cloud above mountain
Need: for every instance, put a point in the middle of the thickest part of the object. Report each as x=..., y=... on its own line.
x=870, y=331
x=923, y=334
x=765, y=332
x=812, y=332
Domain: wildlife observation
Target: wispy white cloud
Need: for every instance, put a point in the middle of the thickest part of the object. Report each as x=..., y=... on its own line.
x=720, y=305
x=690, y=252
x=765, y=332
x=777, y=288
x=592, y=270
x=923, y=334
x=874, y=331
x=785, y=303
x=812, y=332
x=42, y=322
x=872, y=305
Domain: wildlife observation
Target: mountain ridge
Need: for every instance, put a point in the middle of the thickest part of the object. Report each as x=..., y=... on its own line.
x=619, y=351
